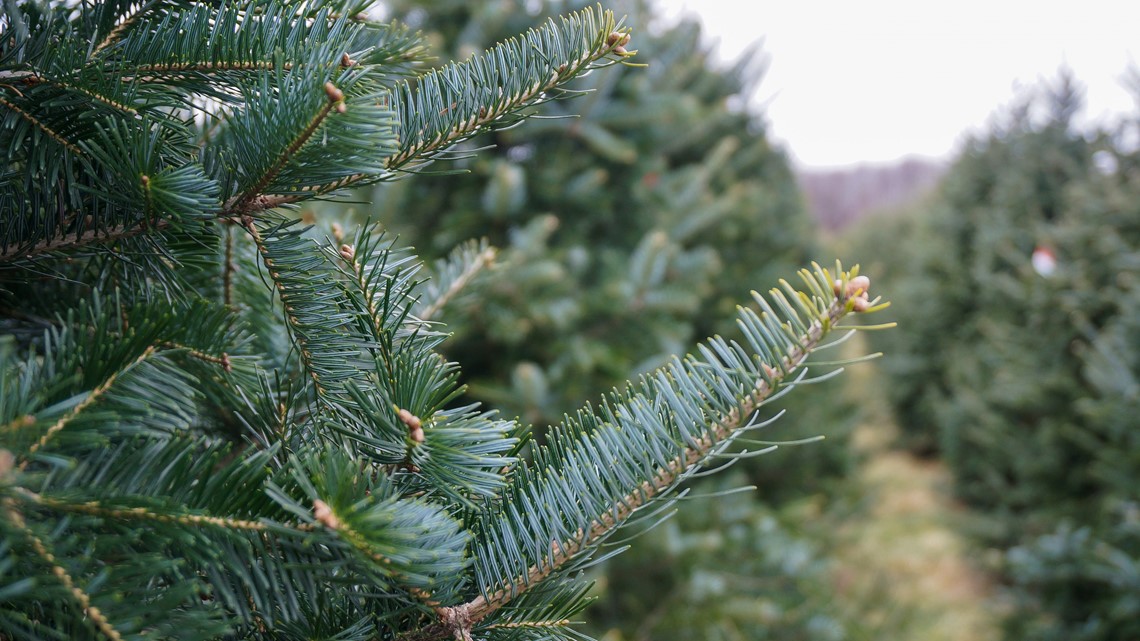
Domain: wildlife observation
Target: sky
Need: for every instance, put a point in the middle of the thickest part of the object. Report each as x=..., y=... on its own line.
x=873, y=81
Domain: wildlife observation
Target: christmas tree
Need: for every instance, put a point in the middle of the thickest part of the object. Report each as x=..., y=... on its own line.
x=630, y=220
x=1021, y=368
x=219, y=421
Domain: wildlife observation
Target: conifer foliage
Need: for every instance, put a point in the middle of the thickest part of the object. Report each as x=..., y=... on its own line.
x=630, y=221
x=1021, y=367
x=216, y=422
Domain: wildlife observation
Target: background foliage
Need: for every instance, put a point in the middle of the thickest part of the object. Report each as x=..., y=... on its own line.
x=630, y=217
x=1026, y=383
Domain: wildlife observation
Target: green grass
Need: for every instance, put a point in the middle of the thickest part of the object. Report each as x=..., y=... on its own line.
x=903, y=565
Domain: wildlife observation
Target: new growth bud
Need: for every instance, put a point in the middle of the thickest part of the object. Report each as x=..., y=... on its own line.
x=857, y=290
x=323, y=513
x=7, y=462
x=336, y=96
x=858, y=286
x=415, y=426
x=618, y=41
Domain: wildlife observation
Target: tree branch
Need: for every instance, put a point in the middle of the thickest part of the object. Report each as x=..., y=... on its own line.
x=94, y=508
x=42, y=127
x=286, y=299
x=485, y=258
x=456, y=621
x=240, y=204
x=486, y=117
x=117, y=32
x=92, y=397
x=60, y=573
x=79, y=239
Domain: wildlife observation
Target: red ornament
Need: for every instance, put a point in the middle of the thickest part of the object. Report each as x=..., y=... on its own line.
x=1044, y=261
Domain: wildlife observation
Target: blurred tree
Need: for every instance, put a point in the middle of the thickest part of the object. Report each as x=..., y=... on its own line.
x=1020, y=362
x=630, y=218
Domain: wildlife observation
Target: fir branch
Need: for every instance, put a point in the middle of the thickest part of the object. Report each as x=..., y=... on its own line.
x=94, y=508
x=32, y=78
x=321, y=151
x=370, y=280
x=82, y=239
x=454, y=276
x=724, y=387
x=210, y=48
x=449, y=105
x=295, y=323
x=402, y=541
x=115, y=34
x=223, y=360
x=317, y=318
x=666, y=477
x=456, y=102
x=241, y=203
x=38, y=124
x=62, y=575
x=91, y=397
x=124, y=24
x=324, y=515
x=456, y=452
x=208, y=66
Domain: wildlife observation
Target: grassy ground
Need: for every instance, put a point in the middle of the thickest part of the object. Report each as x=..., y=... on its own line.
x=901, y=559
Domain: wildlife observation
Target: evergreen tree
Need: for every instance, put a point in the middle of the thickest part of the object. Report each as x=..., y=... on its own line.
x=631, y=220
x=1021, y=368
x=218, y=422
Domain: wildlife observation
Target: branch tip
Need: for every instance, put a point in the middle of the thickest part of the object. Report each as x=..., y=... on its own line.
x=336, y=97
x=415, y=425
x=324, y=514
x=618, y=40
x=855, y=291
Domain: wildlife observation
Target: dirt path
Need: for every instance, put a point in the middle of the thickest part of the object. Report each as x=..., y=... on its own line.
x=900, y=556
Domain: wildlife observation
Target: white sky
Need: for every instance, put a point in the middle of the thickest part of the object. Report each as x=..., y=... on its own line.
x=875, y=80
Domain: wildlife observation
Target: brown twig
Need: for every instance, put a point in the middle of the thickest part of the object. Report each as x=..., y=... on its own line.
x=77, y=239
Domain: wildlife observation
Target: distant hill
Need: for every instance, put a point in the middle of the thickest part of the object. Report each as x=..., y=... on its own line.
x=838, y=197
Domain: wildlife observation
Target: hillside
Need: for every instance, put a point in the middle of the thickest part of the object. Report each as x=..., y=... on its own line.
x=838, y=197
